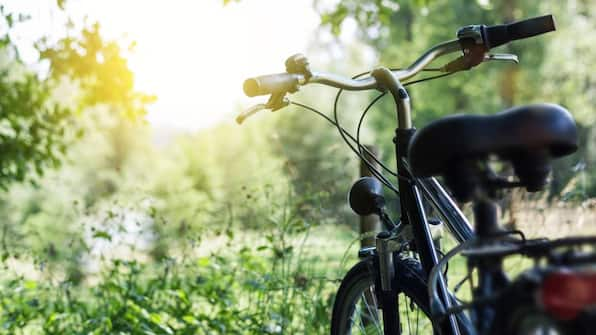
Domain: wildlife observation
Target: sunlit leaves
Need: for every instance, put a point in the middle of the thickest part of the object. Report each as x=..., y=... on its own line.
x=368, y=14
x=100, y=69
x=34, y=126
x=226, y=2
x=61, y=3
x=335, y=18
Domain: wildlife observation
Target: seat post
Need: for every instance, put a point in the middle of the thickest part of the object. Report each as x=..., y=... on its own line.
x=491, y=277
x=485, y=217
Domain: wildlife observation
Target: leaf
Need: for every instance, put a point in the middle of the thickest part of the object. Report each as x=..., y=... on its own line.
x=102, y=234
x=30, y=284
x=61, y=3
x=190, y=319
x=155, y=318
x=182, y=295
x=203, y=261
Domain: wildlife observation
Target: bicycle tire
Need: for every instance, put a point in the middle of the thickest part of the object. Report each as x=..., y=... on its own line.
x=409, y=280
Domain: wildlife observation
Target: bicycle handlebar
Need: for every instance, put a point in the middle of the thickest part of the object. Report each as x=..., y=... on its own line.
x=272, y=84
x=278, y=83
x=474, y=41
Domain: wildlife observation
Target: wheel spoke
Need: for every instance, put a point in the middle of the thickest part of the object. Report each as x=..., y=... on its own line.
x=372, y=311
x=369, y=316
x=417, y=320
x=407, y=316
x=359, y=311
x=366, y=318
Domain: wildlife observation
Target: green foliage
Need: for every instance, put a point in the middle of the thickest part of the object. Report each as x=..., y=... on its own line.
x=32, y=128
x=251, y=284
x=32, y=124
x=36, y=125
x=555, y=68
x=317, y=163
x=211, y=295
x=569, y=62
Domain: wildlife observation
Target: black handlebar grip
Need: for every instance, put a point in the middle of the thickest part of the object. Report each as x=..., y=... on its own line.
x=495, y=36
x=272, y=84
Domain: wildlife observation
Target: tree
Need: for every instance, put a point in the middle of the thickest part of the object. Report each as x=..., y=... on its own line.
x=36, y=125
x=555, y=67
x=32, y=125
x=40, y=122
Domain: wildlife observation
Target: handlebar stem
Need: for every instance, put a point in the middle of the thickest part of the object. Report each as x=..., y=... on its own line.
x=387, y=80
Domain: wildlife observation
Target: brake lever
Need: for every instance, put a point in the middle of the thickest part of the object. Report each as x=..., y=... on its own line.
x=251, y=111
x=502, y=57
x=275, y=102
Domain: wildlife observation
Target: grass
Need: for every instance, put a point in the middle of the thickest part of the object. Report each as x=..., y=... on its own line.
x=249, y=284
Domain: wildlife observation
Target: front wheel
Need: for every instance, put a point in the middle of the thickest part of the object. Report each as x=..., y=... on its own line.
x=356, y=309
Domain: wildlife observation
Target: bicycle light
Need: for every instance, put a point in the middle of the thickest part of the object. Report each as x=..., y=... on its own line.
x=565, y=294
x=366, y=196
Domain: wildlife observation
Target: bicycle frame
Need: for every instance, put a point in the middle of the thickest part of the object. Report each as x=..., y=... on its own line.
x=412, y=191
x=474, y=42
x=455, y=220
x=413, y=212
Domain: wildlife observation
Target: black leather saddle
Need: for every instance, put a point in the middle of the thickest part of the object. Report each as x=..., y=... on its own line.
x=525, y=135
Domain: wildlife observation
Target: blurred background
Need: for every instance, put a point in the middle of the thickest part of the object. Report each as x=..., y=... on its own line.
x=132, y=203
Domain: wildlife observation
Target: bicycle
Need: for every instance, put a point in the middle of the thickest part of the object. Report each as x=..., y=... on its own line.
x=543, y=299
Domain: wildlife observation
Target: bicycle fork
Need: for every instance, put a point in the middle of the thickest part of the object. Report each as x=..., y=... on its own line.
x=388, y=293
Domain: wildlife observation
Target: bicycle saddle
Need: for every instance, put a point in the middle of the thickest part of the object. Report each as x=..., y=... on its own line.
x=528, y=136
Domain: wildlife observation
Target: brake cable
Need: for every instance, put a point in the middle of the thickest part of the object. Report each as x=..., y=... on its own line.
x=361, y=147
x=360, y=125
x=371, y=168
x=346, y=136
x=360, y=122
x=374, y=171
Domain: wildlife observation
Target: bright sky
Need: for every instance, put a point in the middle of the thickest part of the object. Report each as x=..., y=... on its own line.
x=192, y=54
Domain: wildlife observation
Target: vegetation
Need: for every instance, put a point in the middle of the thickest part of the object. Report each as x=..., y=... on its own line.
x=110, y=225
x=563, y=57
